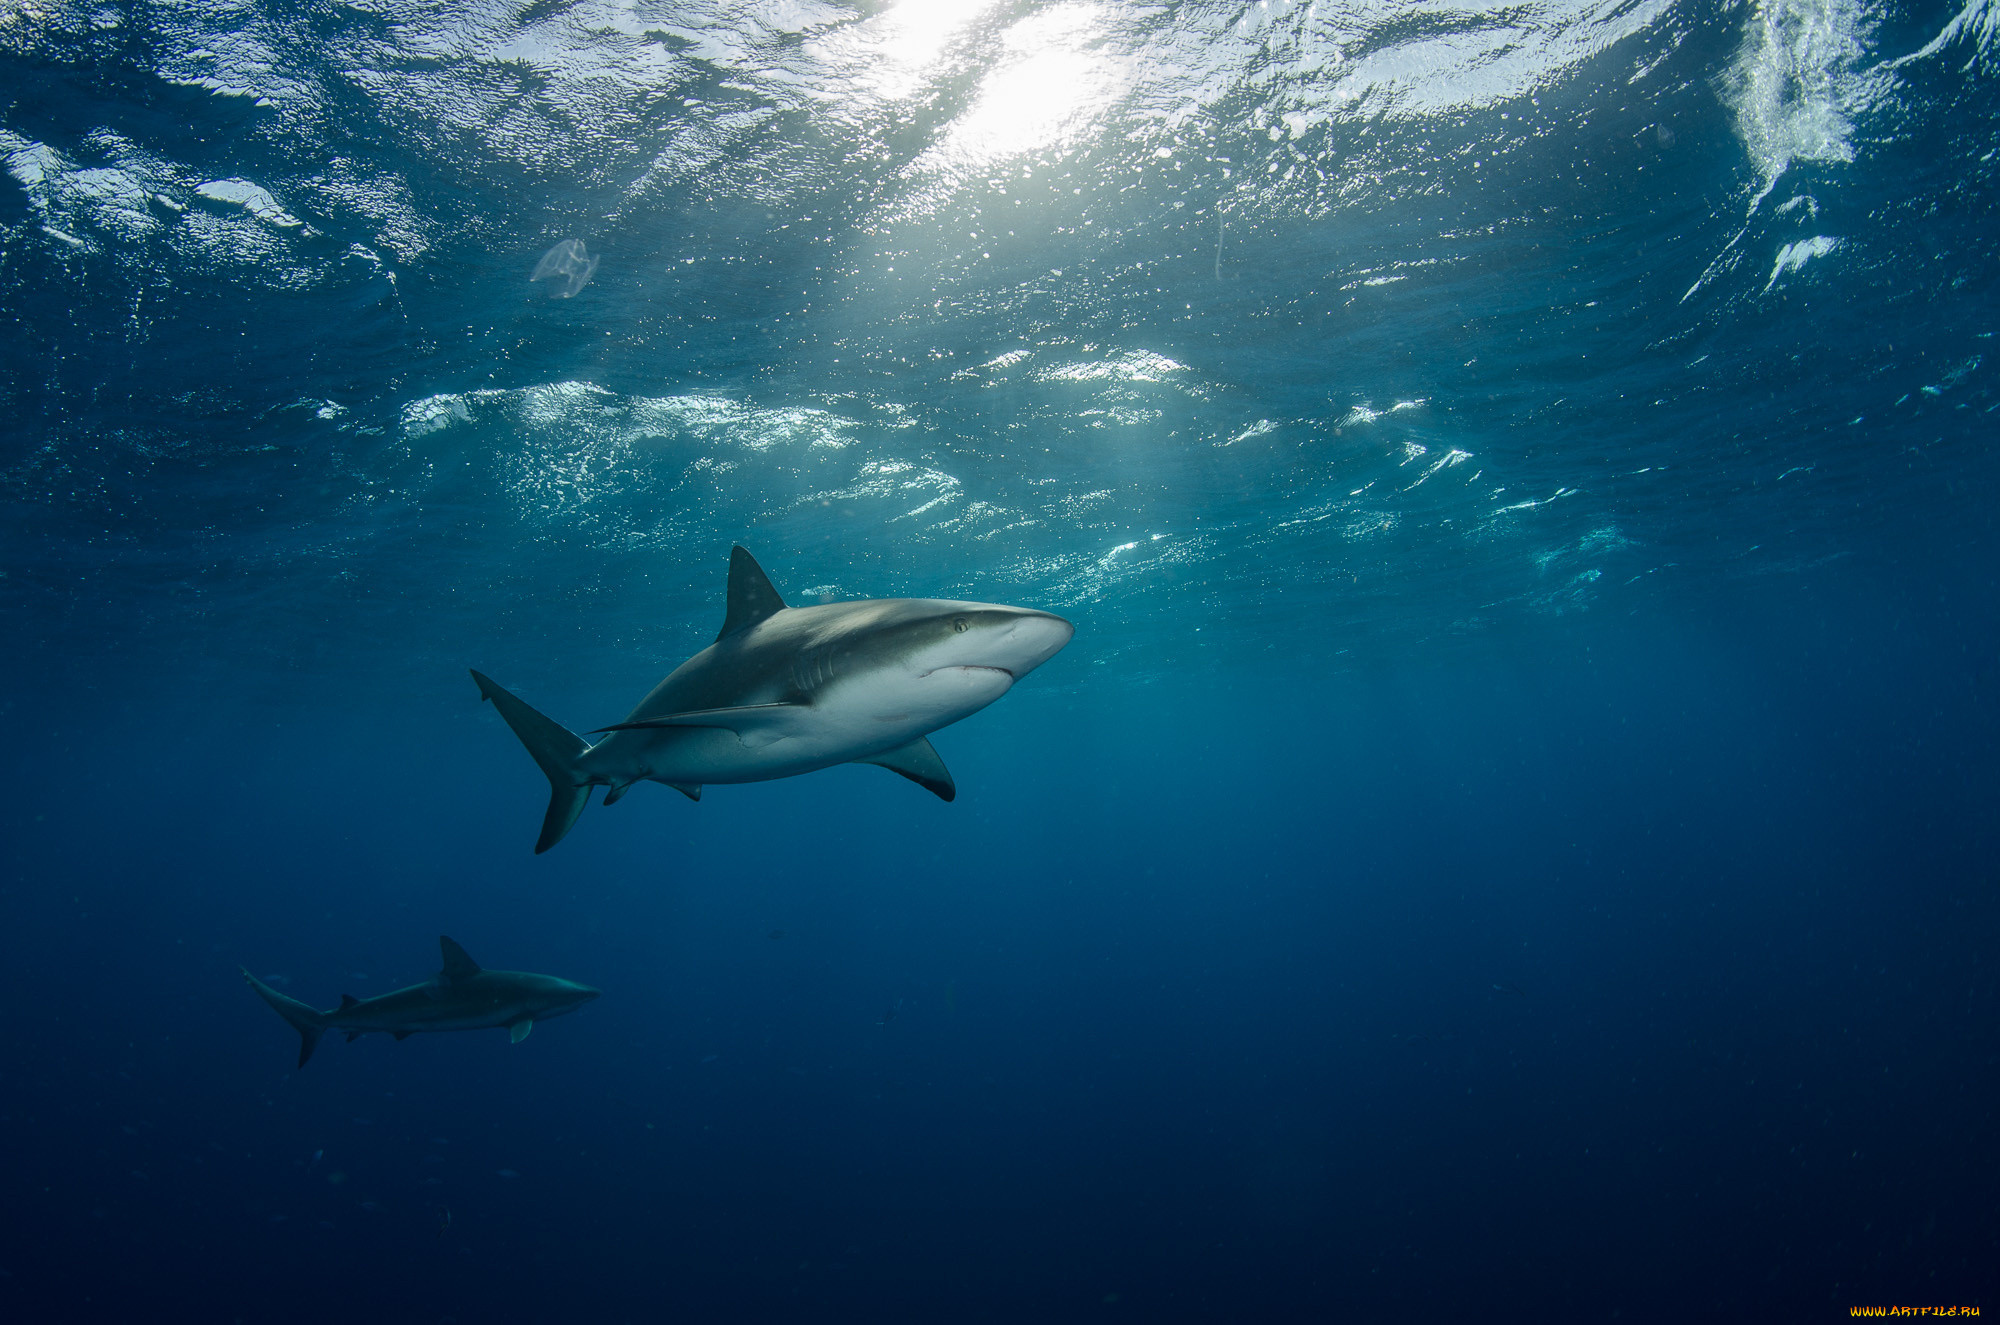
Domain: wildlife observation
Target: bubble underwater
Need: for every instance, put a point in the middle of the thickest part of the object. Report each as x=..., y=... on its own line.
x=1511, y=834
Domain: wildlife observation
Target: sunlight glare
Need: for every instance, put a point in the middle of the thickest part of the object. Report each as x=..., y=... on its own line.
x=1050, y=84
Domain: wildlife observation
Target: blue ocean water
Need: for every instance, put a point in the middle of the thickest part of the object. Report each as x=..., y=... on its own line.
x=1512, y=838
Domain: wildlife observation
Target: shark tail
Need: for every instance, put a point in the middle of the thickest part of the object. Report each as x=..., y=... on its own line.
x=557, y=749
x=309, y=1024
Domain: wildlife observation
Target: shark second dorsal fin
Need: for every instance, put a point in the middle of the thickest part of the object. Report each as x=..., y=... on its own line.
x=347, y=1001
x=751, y=597
x=457, y=966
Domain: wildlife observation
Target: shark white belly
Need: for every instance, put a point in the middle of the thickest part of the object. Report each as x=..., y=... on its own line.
x=842, y=724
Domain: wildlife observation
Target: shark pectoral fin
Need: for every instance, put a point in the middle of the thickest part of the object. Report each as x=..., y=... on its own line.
x=402, y=1035
x=754, y=724
x=352, y=1036
x=690, y=790
x=918, y=762
x=519, y=1030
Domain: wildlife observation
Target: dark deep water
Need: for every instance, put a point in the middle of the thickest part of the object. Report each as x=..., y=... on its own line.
x=1512, y=837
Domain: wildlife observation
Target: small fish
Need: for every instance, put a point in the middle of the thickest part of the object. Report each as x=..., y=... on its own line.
x=889, y=1014
x=444, y=1220
x=318, y=1155
x=1515, y=990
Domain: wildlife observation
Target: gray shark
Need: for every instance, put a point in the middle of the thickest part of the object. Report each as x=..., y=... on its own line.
x=786, y=690
x=462, y=998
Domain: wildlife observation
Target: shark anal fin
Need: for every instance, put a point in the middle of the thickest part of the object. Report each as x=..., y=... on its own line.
x=691, y=790
x=352, y=1036
x=754, y=724
x=751, y=597
x=402, y=1035
x=918, y=762
x=519, y=1030
x=457, y=966
x=347, y=1001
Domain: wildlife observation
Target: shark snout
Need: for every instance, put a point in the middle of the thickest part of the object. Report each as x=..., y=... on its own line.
x=1031, y=639
x=569, y=998
x=991, y=645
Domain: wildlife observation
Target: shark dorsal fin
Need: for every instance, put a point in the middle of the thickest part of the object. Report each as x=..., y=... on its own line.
x=457, y=966
x=751, y=597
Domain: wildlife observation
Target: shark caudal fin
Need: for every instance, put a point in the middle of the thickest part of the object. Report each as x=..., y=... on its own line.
x=557, y=749
x=309, y=1024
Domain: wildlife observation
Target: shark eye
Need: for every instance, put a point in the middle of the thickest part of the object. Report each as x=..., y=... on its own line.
x=958, y=625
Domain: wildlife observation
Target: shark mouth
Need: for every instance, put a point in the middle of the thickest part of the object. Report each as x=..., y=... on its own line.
x=972, y=667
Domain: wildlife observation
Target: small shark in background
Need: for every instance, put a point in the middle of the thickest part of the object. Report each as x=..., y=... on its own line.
x=787, y=690
x=463, y=997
